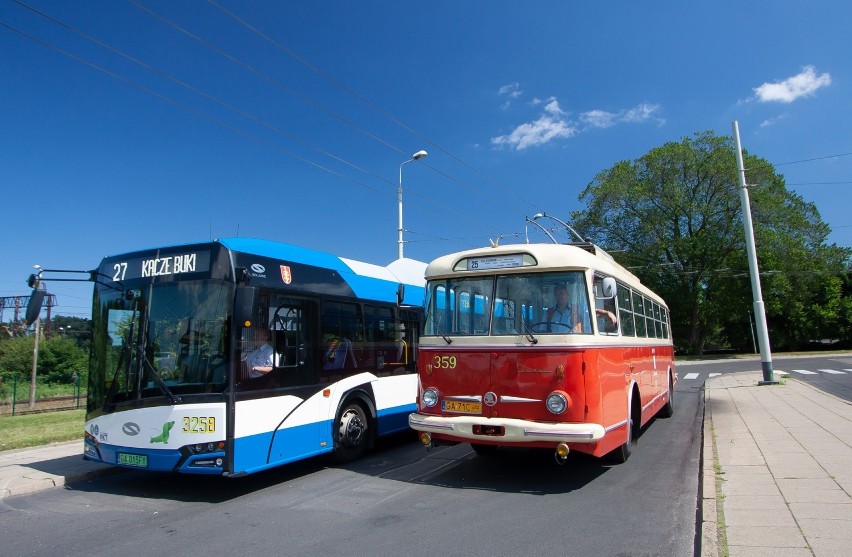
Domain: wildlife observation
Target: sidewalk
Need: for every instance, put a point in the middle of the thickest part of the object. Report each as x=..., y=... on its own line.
x=777, y=467
x=28, y=470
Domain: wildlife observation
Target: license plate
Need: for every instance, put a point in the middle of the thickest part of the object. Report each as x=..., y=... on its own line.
x=461, y=407
x=129, y=459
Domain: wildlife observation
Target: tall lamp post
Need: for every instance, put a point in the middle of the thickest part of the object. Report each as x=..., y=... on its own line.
x=415, y=157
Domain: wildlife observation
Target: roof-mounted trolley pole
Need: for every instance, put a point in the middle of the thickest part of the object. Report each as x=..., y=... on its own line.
x=759, y=310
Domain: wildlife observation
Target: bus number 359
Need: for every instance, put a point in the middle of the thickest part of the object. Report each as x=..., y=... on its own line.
x=444, y=362
x=199, y=424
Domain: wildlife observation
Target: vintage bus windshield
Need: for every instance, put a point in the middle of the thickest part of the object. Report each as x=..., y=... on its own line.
x=167, y=339
x=515, y=304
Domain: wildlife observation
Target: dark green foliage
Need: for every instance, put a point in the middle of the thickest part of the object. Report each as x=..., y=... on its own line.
x=674, y=216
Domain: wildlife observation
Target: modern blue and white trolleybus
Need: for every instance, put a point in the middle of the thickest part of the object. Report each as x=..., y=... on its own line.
x=172, y=385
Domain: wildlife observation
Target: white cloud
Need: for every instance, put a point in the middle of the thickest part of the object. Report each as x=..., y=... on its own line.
x=512, y=90
x=641, y=113
x=598, y=119
x=555, y=123
x=772, y=121
x=553, y=108
x=539, y=132
x=804, y=84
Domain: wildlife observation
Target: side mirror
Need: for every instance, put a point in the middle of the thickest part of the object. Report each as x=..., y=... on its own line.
x=245, y=305
x=400, y=294
x=609, y=288
x=34, y=305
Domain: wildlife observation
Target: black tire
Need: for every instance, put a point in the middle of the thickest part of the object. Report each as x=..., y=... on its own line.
x=351, y=433
x=484, y=450
x=622, y=453
x=667, y=411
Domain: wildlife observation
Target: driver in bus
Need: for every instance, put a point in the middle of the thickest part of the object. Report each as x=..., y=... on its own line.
x=561, y=314
x=259, y=360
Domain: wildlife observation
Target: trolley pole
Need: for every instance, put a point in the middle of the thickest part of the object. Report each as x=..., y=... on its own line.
x=759, y=310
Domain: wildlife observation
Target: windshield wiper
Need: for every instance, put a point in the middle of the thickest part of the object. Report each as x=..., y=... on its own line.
x=160, y=383
x=447, y=339
x=527, y=332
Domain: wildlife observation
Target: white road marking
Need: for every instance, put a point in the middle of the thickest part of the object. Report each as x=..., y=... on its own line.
x=691, y=376
x=715, y=374
x=832, y=371
x=804, y=372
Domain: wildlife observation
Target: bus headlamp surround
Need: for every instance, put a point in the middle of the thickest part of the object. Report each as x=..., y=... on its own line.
x=557, y=403
x=429, y=398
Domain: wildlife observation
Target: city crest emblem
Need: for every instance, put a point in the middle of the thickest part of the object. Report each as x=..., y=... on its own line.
x=286, y=276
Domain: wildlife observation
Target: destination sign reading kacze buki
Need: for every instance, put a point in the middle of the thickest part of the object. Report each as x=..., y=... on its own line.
x=157, y=265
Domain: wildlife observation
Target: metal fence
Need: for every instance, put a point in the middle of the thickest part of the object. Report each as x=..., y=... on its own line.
x=19, y=404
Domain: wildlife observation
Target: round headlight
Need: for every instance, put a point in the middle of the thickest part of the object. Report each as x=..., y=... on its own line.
x=429, y=398
x=557, y=403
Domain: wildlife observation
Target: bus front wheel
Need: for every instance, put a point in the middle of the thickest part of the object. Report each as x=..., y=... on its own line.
x=634, y=419
x=352, y=433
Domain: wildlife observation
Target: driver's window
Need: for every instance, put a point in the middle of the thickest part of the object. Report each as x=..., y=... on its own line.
x=606, y=314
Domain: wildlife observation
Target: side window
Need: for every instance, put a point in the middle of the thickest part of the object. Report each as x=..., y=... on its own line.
x=625, y=311
x=281, y=340
x=665, y=319
x=658, y=323
x=606, y=314
x=649, y=314
x=639, y=313
x=342, y=329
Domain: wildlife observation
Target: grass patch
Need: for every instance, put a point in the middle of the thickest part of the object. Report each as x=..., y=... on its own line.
x=721, y=527
x=33, y=430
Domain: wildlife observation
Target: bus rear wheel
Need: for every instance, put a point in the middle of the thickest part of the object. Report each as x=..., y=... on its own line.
x=667, y=411
x=352, y=433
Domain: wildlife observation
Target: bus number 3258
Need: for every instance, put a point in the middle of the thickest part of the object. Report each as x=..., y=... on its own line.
x=199, y=424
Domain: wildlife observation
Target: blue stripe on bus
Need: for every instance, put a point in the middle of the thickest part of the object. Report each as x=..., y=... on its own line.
x=370, y=288
x=252, y=453
x=163, y=460
x=285, y=252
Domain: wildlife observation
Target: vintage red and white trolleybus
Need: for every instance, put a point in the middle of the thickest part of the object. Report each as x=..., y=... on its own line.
x=541, y=345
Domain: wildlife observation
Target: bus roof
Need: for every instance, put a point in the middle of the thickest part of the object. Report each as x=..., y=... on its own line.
x=550, y=257
x=361, y=276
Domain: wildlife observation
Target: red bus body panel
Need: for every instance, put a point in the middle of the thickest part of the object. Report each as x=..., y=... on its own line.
x=597, y=381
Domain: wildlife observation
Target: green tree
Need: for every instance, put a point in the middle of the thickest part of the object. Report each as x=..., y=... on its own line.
x=75, y=328
x=674, y=217
x=59, y=358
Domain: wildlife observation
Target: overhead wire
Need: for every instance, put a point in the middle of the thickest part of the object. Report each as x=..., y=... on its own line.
x=222, y=103
x=343, y=87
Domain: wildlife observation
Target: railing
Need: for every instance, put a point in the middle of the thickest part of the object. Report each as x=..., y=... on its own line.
x=20, y=405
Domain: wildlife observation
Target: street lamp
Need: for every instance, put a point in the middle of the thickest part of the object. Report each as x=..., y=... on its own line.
x=415, y=157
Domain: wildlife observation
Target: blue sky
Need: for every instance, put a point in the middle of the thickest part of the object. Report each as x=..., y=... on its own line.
x=145, y=123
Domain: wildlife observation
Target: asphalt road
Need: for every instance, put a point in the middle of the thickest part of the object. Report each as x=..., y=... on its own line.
x=402, y=500
x=831, y=373
x=398, y=500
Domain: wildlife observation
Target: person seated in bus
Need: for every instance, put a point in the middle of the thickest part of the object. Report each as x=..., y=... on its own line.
x=339, y=354
x=259, y=360
x=561, y=318
x=607, y=322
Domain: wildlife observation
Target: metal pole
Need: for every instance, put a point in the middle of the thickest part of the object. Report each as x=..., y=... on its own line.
x=35, y=365
x=416, y=156
x=759, y=311
x=399, y=203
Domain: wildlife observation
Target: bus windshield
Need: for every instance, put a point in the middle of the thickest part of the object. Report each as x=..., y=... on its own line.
x=516, y=304
x=161, y=340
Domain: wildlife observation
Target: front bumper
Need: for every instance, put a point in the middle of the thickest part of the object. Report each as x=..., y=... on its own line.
x=515, y=431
